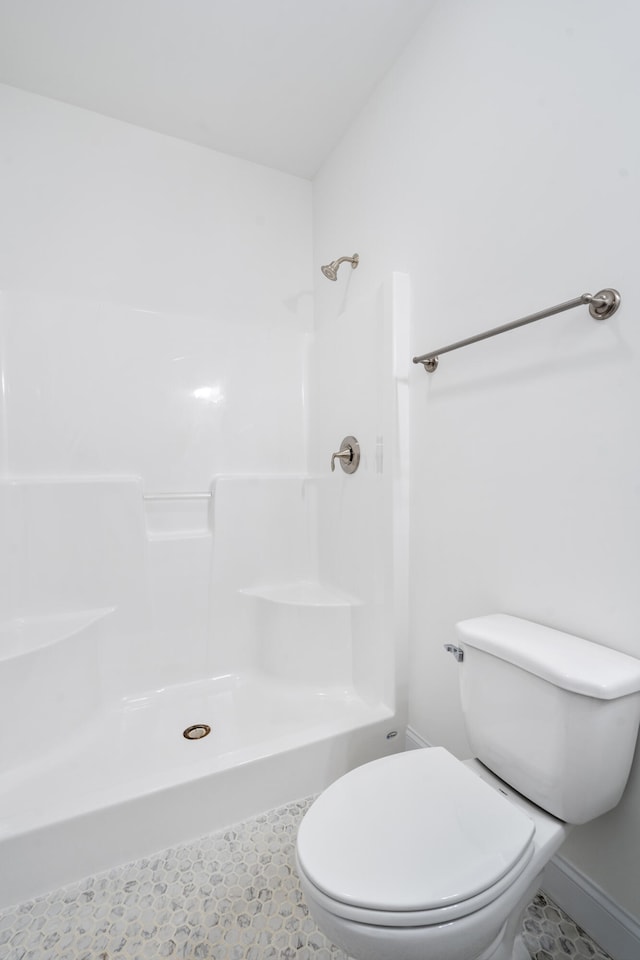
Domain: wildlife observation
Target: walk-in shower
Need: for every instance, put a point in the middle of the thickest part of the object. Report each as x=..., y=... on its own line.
x=172, y=664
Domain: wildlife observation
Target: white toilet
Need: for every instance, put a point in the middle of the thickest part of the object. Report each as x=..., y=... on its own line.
x=420, y=856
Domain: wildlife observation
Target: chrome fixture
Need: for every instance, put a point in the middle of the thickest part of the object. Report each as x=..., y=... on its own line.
x=330, y=270
x=348, y=455
x=458, y=652
x=602, y=305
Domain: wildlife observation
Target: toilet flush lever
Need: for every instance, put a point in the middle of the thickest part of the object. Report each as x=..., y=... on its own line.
x=348, y=455
x=458, y=652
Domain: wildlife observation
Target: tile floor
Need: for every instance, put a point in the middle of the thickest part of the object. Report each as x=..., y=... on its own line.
x=233, y=895
x=552, y=935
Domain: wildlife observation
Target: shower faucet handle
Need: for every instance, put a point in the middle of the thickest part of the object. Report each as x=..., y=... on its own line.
x=343, y=455
x=348, y=455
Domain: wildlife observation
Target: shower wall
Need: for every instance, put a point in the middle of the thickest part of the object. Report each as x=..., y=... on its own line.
x=358, y=385
x=155, y=310
x=157, y=338
x=155, y=293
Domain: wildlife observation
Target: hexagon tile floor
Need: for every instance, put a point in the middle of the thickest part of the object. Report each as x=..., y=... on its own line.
x=233, y=895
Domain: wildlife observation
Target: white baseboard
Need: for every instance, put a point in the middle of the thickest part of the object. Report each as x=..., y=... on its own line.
x=615, y=930
x=413, y=740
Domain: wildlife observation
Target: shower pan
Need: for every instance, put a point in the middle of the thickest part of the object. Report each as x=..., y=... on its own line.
x=172, y=665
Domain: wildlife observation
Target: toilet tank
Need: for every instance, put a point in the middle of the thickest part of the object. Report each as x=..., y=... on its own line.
x=553, y=715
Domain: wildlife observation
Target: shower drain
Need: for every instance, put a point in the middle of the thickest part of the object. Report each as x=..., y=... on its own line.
x=197, y=731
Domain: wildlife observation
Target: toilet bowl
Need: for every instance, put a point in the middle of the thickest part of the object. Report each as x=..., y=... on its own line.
x=420, y=855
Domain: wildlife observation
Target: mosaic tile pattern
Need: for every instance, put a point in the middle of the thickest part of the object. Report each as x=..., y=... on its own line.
x=233, y=895
x=549, y=934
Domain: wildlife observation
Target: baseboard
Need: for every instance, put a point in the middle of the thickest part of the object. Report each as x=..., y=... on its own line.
x=413, y=740
x=615, y=930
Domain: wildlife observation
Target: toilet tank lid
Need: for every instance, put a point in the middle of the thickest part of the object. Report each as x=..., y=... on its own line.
x=570, y=662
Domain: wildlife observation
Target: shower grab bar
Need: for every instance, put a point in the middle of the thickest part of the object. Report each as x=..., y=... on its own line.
x=177, y=496
x=601, y=306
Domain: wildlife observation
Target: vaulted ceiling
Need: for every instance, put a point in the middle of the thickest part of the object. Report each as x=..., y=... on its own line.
x=273, y=81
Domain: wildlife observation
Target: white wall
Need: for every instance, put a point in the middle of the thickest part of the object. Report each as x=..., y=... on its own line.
x=498, y=164
x=156, y=302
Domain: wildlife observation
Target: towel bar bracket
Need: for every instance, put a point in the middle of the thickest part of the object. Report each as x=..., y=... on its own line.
x=604, y=304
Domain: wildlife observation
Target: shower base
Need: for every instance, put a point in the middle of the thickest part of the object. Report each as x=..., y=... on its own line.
x=127, y=783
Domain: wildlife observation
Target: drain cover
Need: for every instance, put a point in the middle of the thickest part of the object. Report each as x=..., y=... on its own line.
x=197, y=731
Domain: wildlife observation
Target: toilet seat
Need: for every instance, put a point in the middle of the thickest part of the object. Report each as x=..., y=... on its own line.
x=411, y=840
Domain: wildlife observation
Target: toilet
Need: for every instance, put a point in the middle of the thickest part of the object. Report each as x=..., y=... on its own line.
x=421, y=856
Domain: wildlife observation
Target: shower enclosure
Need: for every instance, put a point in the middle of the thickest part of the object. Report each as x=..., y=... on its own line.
x=266, y=609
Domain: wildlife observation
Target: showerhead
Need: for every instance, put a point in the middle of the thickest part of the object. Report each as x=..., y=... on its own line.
x=330, y=270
